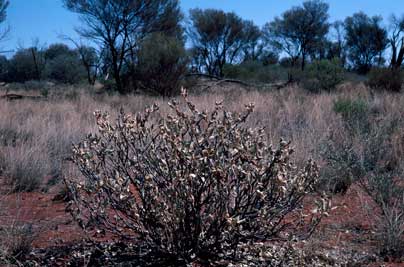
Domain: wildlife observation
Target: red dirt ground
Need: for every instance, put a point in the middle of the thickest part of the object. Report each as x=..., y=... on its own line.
x=348, y=227
x=47, y=216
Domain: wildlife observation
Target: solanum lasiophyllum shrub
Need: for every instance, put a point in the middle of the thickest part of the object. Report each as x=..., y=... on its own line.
x=190, y=184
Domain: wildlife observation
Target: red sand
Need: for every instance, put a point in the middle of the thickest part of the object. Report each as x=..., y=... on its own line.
x=348, y=226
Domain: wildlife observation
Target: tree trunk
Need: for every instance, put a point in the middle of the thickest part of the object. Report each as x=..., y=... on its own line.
x=116, y=73
x=303, y=60
x=118, y=80
x=37, y=73
x=398, y=61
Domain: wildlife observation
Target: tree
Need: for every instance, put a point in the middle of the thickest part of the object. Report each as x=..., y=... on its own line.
x=119, y=25
x=27, y=64
x=4, y=65
x=217, y=37
x=337, y=43
x=91, y=59
x=253, y=47
x=3, y=15
x=65, y=69
x=299, y=30
x=21, y=67
x=55, y=50
x=396, y=41
x=366, y=40
x=38, y=58
x=162, y=61
x=63, y=64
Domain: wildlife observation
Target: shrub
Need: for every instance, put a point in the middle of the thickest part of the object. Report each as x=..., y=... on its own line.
x=288, y=62
x=368, y=159
x=24, y=168
x=25, y=65
x=195, y=185
x=357, y=150
x=296, y=75
x=57, y=50
x=269, y=58
x=255, y=71
x=385, y=79
x=161, y=65
x=4, y=65
x=15, y=243
x=323, y=75
x=65, y=69
x=354, y=112
x=343, y=165
x=387, y=191
x=390, y=230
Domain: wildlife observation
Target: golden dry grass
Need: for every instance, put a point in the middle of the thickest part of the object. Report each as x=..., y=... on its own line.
x=35, y=137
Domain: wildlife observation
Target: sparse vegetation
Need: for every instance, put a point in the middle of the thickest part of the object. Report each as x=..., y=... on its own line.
x=15, y=243
x=256, y=71
x=386, y=79
x=197, y=182
x=354, y=150
x=323, y=75
x=354, y=112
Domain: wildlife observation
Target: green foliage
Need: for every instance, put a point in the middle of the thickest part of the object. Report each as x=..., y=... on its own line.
x=90, y=61
x=269, y=58
x=63, y=64
x=3, y=9
x=26, y=64
x=343, y=166
x=162, y=63
x=364, y=152
x=354, y=112
x=344, y=163
x=120, y=27
x=192, y=185
x=323, y=75
x=58, y=63
x=221, y=38
x=386, y=79
x=351, y=109
x=255, y=71
x=4, y=66
x=65, y=68
x=252, y=45
x=299, y=30
x=56, y=50
x=366, y=39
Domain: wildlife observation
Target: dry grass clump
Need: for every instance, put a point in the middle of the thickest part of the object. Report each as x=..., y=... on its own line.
x=15, y=238
x=15, y=243
x=35, y=138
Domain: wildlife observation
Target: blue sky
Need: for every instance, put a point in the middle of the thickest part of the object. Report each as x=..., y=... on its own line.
x=47, y=19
